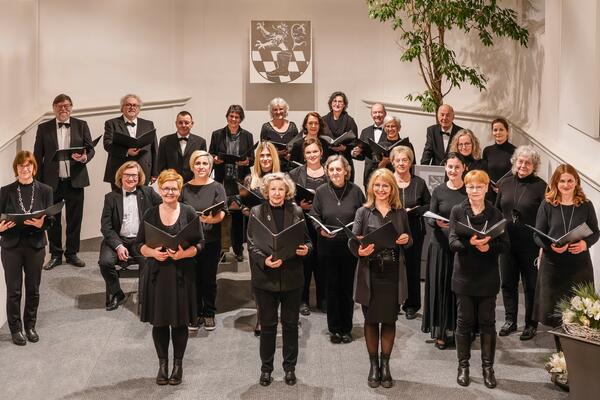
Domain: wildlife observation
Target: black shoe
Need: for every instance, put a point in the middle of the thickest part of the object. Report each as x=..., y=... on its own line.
x=374, y=378
x=335, y=338
x=257, y=329
x=290, y=378
x=32, y=335
x=53, y=262
x=322, y=307
x=115, y=301
x=75, y=261
x=19, y=339
x=163, y=370
x=386, y=377
x=441, y=344
x=411, y=313
x=265, y=379
x=177, y=372
x=304, y=309
x=508, y=328
x=239, y=257
x=528, y=333
x=346, y=337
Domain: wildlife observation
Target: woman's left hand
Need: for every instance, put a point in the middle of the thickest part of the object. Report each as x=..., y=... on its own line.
x=305, y=205
x=384, y=162
x=244, y=163
x=180, y=253
x=578, y=247
x=302, y=250
x=402, y=239
x=36, y=222
x=339, y=148
x=212, y=219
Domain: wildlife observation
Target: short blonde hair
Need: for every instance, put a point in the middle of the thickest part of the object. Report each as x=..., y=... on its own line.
x=290, y=189
x=169, y=175
x=477, y=176
x=388, y=177
x=402, y=150
x=201, y=153
x=127, y=165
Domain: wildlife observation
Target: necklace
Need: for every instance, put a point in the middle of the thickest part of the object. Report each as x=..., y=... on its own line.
x=21, y=199
x=339, y=199
x=567, y=229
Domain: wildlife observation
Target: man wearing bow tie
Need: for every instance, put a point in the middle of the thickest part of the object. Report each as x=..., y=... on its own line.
x=174, y=150
x=439, y=136
x=374, y=132
x=67, y=177
x=121, y=219
x=129, y=124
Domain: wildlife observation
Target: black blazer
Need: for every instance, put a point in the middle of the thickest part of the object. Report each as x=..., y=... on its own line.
x=290, y=275
x=9, y=203
x=434, y=151
x=117, y=154
x=170, y=156
x=46, y=144
x=218, y=145
x=112, y=213
x=365, y=135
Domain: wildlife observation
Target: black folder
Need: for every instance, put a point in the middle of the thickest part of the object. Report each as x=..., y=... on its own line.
x=383, y=237
x=65, y=154
x=135, y=142
x=496, y=183
x=383, y=150
x=344, y=138
x=282, y=245
x=303, y=193
x=281, y=146
x=365, y=146
x=19, y=219
x=332, y=230
x=232, y=159
x=212, y=210
x=574, y=235
x=493, y=231
x=188, y=236
x=249, y=198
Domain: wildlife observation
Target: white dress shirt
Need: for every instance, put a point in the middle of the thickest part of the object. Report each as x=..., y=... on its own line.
x=131, y=218
x=63, y=136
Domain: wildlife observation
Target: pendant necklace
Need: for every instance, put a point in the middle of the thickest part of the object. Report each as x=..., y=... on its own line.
x=567, y=228
x=339, y=199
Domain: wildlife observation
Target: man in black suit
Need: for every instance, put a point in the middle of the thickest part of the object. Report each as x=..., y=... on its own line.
x=129, y=124
x=67, y=178
x=174, y=150
x=439, y=136
x=373, y=132
x=122, y=216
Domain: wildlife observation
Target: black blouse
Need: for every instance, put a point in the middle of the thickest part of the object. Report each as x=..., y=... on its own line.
x=497, y=158
x=416, y=198
x=201, y=197
x=442, y=200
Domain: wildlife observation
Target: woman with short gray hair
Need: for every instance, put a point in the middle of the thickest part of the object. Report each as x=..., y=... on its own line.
x=279, y=130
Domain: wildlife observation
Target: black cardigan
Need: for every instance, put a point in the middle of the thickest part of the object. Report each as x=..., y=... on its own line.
x=218, y=145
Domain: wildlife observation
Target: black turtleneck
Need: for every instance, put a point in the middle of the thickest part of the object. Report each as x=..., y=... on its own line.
x=278, y=213
x=523, y=195
x=497, y=157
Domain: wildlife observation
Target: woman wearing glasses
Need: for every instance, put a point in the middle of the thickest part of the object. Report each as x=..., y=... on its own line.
x=466, y=143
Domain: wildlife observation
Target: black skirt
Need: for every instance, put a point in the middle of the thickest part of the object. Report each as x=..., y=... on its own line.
x=383, y=304
x=557, y=275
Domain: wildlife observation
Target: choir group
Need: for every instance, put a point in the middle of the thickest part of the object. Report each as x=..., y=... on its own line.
x=291, y=196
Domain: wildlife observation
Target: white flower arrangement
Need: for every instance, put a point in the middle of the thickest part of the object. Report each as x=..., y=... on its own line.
x=581, y=313
x=557, y=364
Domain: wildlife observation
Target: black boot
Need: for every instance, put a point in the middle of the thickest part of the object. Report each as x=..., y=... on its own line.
x=177, y=372
x=374, y=374
x=488, y=350
x=163, y=371
x=386, y=378
x=463, y=351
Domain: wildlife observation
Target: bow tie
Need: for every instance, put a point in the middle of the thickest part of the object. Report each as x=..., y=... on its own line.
x=131, y=124
x=446, y=133
x=131, y=193
x=65, y=124
x=185, y=139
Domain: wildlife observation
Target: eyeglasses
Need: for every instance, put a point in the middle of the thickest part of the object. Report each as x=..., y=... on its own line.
x=402, y=161
x=131, y=176
x=475, y=188
x=24, y=166
x=63, y=106
x=170, y=189
x=464, y=145
x=130, y=105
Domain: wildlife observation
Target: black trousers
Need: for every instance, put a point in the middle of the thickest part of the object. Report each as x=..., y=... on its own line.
x=518, y=262
x=475, y=308
x=16, y=262
x=207, y=262
x=413, y=273
x=340, y=283
x=268, y=302
x=73, y=198
x=238, y=229
x=108, y=260
x=314, y=267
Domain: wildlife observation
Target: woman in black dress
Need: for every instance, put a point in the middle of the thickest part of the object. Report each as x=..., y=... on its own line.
x=564, y=208
x=310, y=176
x=476, y=279
x=439, y=303
x=466, y=143
x=380, y=282
x=312, y=127
x=339, y=122
x=337, y=200
x=203, y=192
x=519, y=197
x=275, y=281
x=279, y=129
x=23, y=247
x=169, y=297
x=498, y=155
x=415, y=198
x=234, y=140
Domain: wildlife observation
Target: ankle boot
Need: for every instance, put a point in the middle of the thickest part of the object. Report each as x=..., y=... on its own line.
x=386, y=378
x=374, y=373
x=488, y=350
x=163, y=371
x=463, y=351
x=177, y=372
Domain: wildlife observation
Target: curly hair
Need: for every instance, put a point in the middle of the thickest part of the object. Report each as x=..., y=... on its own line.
x=290, y=190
